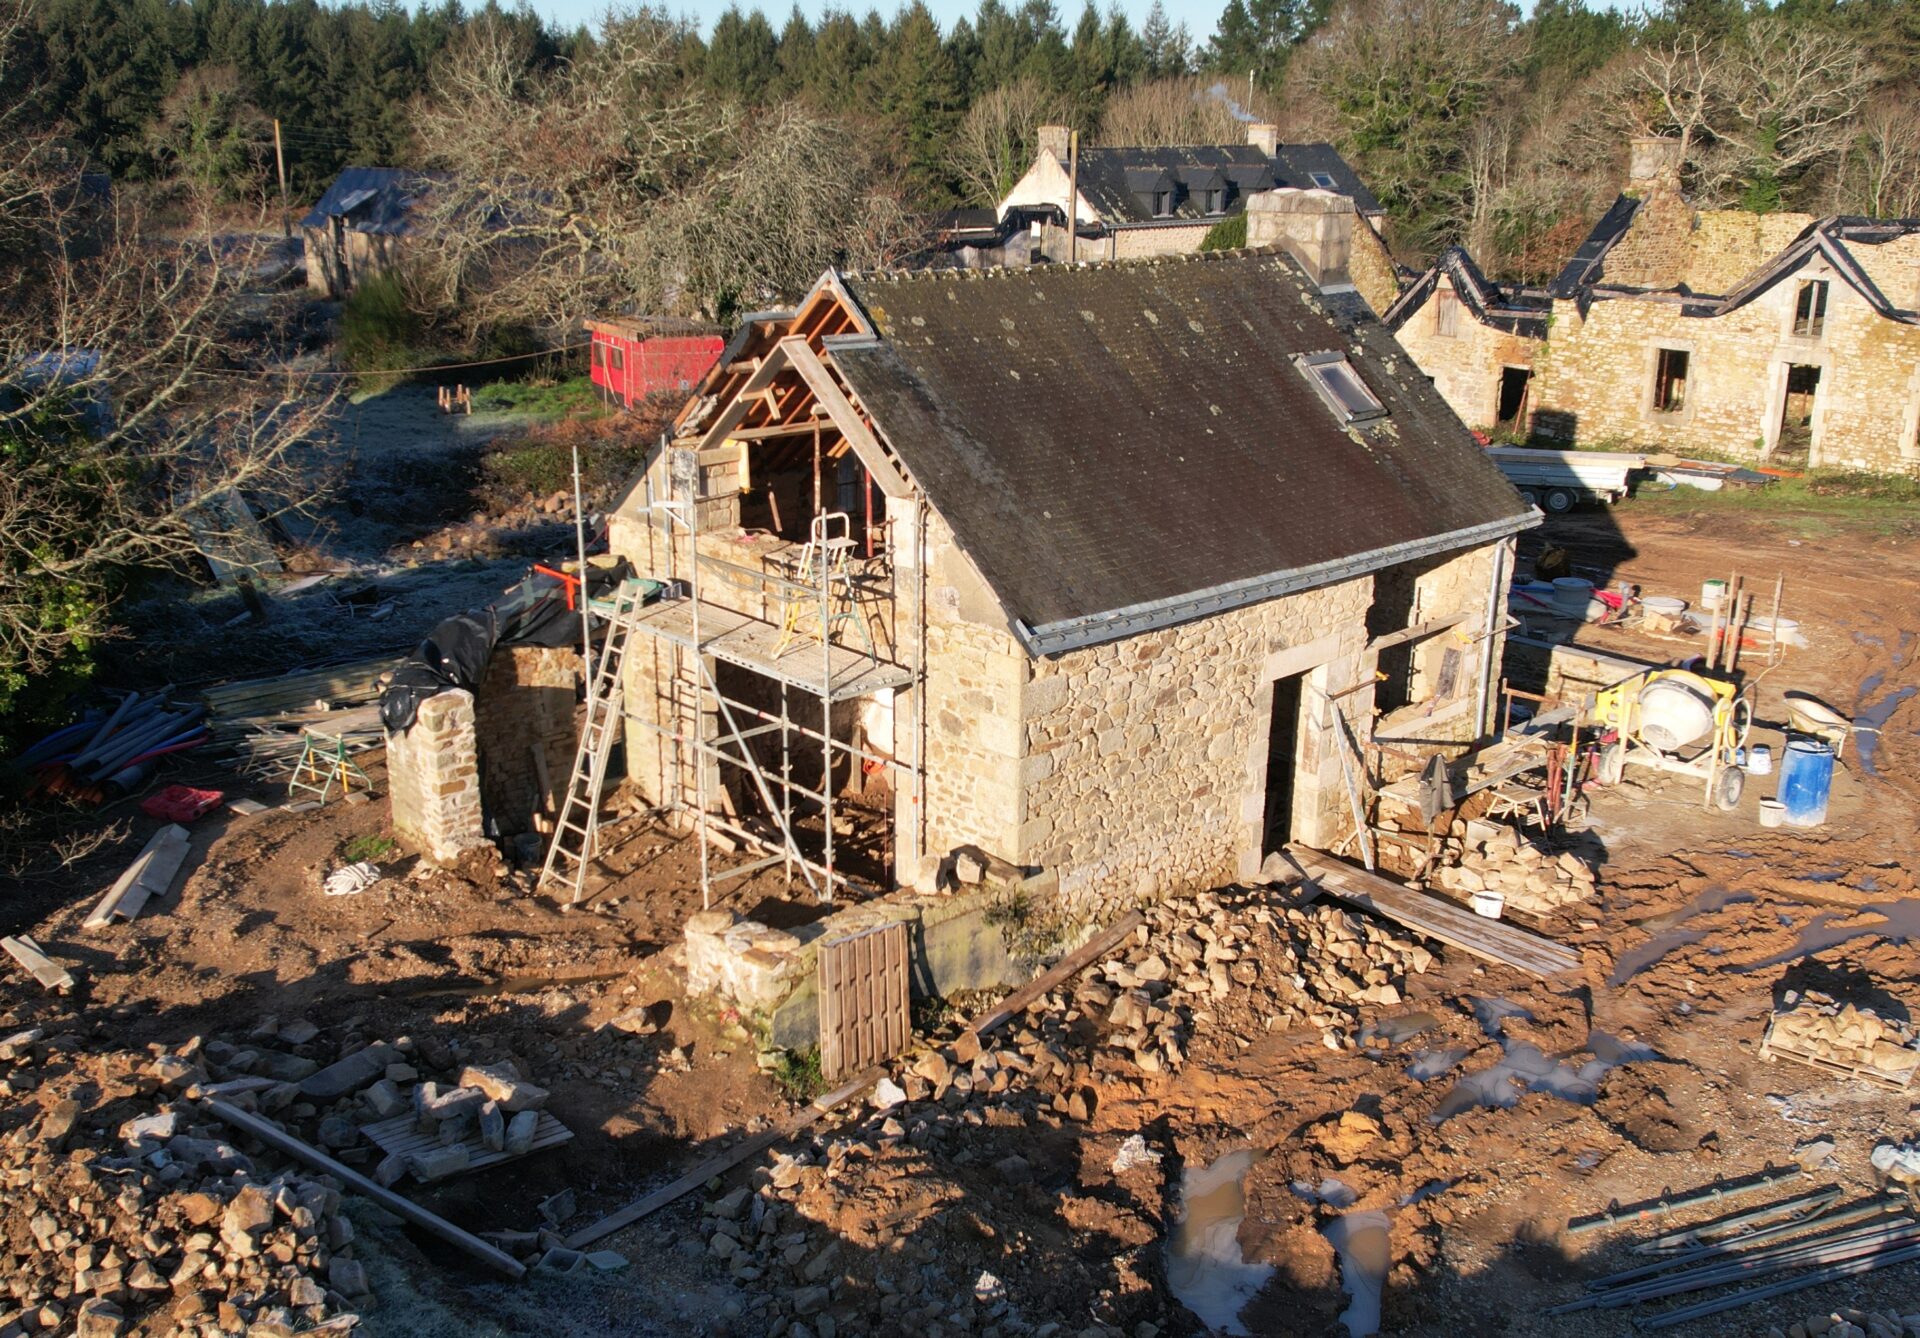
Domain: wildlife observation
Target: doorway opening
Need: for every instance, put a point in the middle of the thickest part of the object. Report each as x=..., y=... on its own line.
x=1283, y=754
x=1795, y=440
x=1515, y=382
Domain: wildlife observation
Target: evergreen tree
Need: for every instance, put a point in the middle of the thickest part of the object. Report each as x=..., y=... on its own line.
x=742, y=56
x=795, y=60
x=841, y=55
x=1167, y=47
x=1104, y=53
x=919, y=98
x=1255, y=36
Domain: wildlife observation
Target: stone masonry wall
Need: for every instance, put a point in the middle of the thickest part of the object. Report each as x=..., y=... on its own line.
x=1465, y=366
x=1146, y=766
x=1372, y=269
x=433, y=779
x=1598, y=383
x=525, y=706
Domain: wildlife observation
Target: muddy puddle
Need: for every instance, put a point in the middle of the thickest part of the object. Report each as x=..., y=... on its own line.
x=1524, y=1067
x=1667, y=935
x=1205, y=1268
x=1361, y=1241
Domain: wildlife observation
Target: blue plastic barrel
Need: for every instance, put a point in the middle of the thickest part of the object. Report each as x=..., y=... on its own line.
x=1806, y=774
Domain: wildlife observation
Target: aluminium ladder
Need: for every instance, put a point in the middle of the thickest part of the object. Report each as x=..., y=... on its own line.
x=580, y=811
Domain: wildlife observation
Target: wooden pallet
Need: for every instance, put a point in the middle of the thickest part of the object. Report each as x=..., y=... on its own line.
x=1451, y=924
x=1772, y=1047
x=401, y=1137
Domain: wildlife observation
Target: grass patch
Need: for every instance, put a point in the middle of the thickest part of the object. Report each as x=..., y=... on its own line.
x=1818, y=503
x=798, y=1074
x=379, y=332
x=372, y=849
x=543, y=397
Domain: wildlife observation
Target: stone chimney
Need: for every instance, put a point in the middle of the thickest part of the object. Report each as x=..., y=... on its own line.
x=1264, y=137
x=1053, y=139
x=1653, y=164
x=1315, y=227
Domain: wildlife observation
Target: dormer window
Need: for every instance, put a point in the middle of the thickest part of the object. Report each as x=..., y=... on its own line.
x=1163, y=204
x=1340, y=386
x=1810, y=310
x=1216, y=200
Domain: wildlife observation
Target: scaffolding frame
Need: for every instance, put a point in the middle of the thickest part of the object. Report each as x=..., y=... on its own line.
x=817, y=667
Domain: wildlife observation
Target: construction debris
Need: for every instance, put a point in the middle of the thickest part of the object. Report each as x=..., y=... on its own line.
x=150, y=875
x=1533, y=880
x=1815, y=1030
x=44, y=969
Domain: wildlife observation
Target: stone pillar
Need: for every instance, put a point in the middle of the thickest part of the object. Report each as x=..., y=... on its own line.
x=1315, y=227
x=1053, y=139
x=1264, y=137
x=1654, y=163
x=433, y=779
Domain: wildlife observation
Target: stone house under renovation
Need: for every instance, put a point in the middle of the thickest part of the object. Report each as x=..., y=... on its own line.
x=1770, y=337
x=1086, y=572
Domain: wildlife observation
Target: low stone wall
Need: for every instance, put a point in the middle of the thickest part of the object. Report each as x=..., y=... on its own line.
x=772, y=975
x=526, y=733
x=433, y=779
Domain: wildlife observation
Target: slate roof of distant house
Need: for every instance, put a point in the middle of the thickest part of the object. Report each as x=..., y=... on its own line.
x=1298, y=165
x=371, y=199
x=1521, y=311
x=1120, y=183
x=1128, y=445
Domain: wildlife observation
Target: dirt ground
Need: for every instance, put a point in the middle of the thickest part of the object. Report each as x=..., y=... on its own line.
x=1701, y=923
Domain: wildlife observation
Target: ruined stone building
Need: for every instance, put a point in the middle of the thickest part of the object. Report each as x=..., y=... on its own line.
x=1091, y=567
x=1135, y=202
x=1771, y=337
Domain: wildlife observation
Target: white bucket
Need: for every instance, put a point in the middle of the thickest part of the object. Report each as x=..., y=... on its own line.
x=1759, y=760
x=1490, y=904
x=1773, y=813
x=1785, y=629
x=1572, y=593
x=1711, y=594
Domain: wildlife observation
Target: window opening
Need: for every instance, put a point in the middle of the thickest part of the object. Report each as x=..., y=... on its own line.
x=1670, y=380
x=1810, y=310
x=1446, y=313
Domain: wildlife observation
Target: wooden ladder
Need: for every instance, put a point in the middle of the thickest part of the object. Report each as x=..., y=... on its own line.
x=576, y=833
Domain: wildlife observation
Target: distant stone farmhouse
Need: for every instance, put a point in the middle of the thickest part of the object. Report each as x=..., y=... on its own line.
x=361, y=227
x=1772, y=337
x=1137, y=202
x=1111, y=556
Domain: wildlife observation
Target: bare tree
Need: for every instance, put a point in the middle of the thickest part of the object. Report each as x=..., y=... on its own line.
x=996, y=143
x=1883, y=177
x=1793, y=94
x=1196, y=109
x=611, y=181
x=131, y=407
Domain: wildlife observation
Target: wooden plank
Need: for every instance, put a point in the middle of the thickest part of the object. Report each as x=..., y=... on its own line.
x=150, y=875
x=401, y=1137
x=279, y=1139
x=1418, y=630
x=724, y=1162
x=1071, y=965
x=845, y=417
x=862, y=1020
x=48, y=972
x=1442, y=920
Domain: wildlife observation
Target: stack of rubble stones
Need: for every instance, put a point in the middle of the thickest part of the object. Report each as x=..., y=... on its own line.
x=126, y=1206
x=1323, y=965
x=1488, y=857
x=1813, y=1024
x=131, y=1205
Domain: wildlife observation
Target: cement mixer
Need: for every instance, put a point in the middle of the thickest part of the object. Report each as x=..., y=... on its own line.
x=1678, y=721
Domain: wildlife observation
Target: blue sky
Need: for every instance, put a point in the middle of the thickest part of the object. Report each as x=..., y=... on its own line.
x=1198, y=15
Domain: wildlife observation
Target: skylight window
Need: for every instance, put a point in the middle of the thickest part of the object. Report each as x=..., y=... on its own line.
x=1340, y=386
x=1323, y=180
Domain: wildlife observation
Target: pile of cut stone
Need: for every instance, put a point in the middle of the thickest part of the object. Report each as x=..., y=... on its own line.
x=1813, y=1025
x=125, y=1204
x=1489, y=857
x=1854, y=1324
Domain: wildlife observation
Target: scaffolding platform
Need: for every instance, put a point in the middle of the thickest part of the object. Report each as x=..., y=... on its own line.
x=751, y=643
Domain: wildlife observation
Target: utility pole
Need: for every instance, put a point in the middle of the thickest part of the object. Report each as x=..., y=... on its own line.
x=1073, y=196
x=280, y=162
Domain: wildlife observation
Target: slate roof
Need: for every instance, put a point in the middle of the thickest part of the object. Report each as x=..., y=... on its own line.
x=1296, y=166
x=1119, y=183
x=1584, y=269
x=371, y=199
x=1128, y=445
x=1521, y=311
